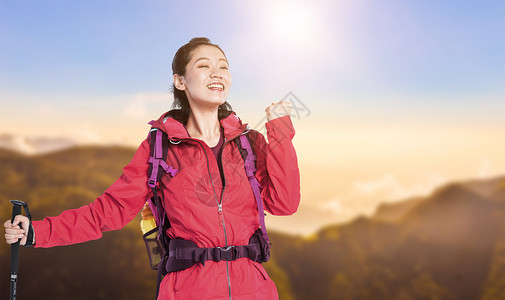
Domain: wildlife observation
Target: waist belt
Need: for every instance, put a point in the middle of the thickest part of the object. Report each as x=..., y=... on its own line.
x=183, y=254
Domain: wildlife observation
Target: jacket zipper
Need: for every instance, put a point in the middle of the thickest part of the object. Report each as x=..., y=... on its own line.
x=221, y=210
x=219, y=204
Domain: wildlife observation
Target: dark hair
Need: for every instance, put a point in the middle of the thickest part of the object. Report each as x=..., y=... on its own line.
x=179, y=63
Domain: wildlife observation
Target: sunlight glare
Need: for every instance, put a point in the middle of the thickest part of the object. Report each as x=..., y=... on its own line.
x=292, y=23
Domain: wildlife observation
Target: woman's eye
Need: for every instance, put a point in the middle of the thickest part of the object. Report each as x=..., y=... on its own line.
x=203, y=66
x=226, y=68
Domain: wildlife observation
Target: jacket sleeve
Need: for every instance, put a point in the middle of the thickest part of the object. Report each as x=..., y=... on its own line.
x=277, y=167
x=119, y=204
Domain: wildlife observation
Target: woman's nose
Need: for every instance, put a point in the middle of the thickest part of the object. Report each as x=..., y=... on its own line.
x=216, y=74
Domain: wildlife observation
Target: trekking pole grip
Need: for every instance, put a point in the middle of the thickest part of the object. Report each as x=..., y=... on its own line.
x=16, y=210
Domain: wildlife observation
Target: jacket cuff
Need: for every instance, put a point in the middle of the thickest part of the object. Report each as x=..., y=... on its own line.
x=280, y=128
x=41, y=230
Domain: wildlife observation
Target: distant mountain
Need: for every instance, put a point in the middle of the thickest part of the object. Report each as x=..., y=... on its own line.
x=449, y=245
x=34, y=145
x=392, y=212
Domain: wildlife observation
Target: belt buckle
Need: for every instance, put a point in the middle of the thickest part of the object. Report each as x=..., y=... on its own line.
x=226, y=253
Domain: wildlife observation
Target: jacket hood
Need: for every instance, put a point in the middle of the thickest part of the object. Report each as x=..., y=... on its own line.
x=171, y=123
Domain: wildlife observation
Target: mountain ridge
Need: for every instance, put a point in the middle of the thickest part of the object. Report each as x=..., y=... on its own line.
x=447, y=245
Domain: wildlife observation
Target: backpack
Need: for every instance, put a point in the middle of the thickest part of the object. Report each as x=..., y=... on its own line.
x=162, y=251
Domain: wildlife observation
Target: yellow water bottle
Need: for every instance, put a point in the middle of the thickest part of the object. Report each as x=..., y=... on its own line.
x=154, y=249
x=148, y=222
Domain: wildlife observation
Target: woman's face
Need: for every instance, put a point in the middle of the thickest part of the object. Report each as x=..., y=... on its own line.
x=207, y=80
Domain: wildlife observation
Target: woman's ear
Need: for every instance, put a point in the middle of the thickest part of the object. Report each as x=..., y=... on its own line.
x=179, y=82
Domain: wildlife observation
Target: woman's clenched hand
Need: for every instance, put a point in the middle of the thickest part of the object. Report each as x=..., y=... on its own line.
x=279, y=109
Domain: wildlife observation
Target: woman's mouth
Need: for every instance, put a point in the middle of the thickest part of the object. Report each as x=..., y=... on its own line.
x=216, y=86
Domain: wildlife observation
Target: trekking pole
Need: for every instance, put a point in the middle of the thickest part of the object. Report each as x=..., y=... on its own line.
x=16, y=210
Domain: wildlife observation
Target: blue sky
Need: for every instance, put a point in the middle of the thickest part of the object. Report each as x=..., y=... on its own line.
x=404, y=95
x=431, y=48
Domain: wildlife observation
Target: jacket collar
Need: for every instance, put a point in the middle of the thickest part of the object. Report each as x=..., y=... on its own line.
x=170, y=122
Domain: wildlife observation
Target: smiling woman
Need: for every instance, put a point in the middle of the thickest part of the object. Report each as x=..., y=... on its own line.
x=194, y=69
x=205, y=80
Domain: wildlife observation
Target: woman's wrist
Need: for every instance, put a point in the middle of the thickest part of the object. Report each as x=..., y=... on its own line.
x=279, y=109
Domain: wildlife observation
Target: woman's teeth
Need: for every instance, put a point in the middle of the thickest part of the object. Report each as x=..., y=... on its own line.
x=215, y=86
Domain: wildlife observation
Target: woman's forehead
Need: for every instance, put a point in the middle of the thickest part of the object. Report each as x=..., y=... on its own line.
x=208, y=52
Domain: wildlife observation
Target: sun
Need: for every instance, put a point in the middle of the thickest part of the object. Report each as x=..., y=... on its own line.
x=291, y=22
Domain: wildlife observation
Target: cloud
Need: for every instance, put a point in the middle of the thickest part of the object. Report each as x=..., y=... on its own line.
x=333, y=205
x=144, y=105
x=136, y=109
x=390, y=188
x=363, y=197
x=487, y=169
x=88, y=136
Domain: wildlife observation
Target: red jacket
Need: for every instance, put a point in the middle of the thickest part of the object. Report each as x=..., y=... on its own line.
x=191, y=200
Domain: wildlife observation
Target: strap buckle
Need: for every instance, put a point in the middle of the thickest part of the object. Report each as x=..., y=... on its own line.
x=152, y=183
x=227, y=253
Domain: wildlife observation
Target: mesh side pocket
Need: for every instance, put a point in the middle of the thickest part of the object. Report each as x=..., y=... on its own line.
x=153, y=246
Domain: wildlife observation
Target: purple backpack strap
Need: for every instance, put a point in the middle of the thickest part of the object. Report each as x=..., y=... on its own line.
x=250, y=168
x=157, y=161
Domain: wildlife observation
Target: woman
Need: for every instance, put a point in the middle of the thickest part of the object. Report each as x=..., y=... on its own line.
x=209, y=201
